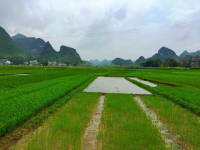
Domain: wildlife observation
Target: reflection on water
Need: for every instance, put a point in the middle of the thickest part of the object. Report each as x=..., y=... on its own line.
x=114, y=85
x=145, y=82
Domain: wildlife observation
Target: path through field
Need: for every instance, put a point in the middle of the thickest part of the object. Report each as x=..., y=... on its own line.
x=92, y=130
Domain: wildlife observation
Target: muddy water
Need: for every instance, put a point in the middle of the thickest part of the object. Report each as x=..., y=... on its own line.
x=142, y=81
x=169, y=139
x=114, y=85
x=92, y=130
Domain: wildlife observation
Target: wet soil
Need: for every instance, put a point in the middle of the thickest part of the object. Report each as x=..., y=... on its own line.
x=89, y=139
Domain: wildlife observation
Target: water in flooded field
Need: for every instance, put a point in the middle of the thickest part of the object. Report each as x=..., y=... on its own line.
x=145, y=82
x=114, y=85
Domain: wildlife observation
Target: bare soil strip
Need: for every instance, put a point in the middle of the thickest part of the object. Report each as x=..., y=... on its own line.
x=89, y=139
x=169, y=139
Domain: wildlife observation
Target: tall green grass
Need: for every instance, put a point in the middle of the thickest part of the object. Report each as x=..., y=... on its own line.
x=184, y=124
x=124, y=125
x=65, y=129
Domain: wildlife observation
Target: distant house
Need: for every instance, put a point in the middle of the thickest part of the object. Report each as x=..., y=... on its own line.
x=26, y=63
x=184, y=61
x=34, y=62
x=54, y=63
x=5, y=62
x=195, y=61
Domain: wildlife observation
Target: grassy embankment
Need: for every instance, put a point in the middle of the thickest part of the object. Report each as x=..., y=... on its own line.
x=65, y=129
x=184, y=124
x=124, y=125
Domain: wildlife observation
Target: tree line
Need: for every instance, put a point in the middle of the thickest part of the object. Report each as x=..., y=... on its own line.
x=169, y=62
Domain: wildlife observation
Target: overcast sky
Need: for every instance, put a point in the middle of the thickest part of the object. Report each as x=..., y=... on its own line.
x=120, y=28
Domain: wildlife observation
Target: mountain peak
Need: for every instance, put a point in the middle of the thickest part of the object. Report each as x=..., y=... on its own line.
x=18, y=36
x=48, y=50
x=184, y=53
x=166, y=51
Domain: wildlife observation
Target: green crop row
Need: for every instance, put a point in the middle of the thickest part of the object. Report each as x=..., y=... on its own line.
x=65, y=129
x=189, y=97
x=124, y=125
x=184, y=124
x=17, y=110
x=33, y=87
x=175, y=99
x=177, y=77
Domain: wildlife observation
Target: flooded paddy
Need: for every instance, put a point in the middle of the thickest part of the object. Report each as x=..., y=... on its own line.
x=143, y=81
x=114, y=85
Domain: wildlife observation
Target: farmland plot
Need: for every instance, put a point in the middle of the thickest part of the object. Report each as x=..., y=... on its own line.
x=124, y=125
x=65, y=129
x=16, y=110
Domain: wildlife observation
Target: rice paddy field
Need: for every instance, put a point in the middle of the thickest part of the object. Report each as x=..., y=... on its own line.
x=99, y=108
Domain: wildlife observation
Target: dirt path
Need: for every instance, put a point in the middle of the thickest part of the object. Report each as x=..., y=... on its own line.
x=169, y=139
x=92, y=130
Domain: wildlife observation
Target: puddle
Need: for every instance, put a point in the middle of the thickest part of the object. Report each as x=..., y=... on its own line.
x=169, y=139
x=114, y=85
x=92, y=130
x=21, y=74
x=142, y=81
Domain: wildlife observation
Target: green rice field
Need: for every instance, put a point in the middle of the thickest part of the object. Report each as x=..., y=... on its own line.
x=49, y=108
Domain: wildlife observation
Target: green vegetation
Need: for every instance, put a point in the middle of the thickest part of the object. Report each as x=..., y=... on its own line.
x=124, y=125
x=8, y=48
x=181, y=122
x=122, y=62
x=35, y=97
x=18, y=36
x=65, y=129
x=29, y=104
x=169, y=62
x=190, y=105
x=31, y=45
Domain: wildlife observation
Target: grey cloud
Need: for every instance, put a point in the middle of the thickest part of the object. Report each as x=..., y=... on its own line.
x=63, y=18
x=120, y=14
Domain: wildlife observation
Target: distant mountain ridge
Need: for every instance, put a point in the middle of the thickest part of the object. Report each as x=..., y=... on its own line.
x=21, y=48
x=122, y=61
x=193, y=54
x=100, y=63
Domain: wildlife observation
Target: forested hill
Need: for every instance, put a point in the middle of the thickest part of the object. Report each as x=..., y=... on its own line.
x=120, y=61
x=18, y=36
x=7, y=47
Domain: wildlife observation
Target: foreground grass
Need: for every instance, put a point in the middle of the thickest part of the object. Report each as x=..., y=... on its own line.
x=66, y=128
x=124, y=125
x=183, y=123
